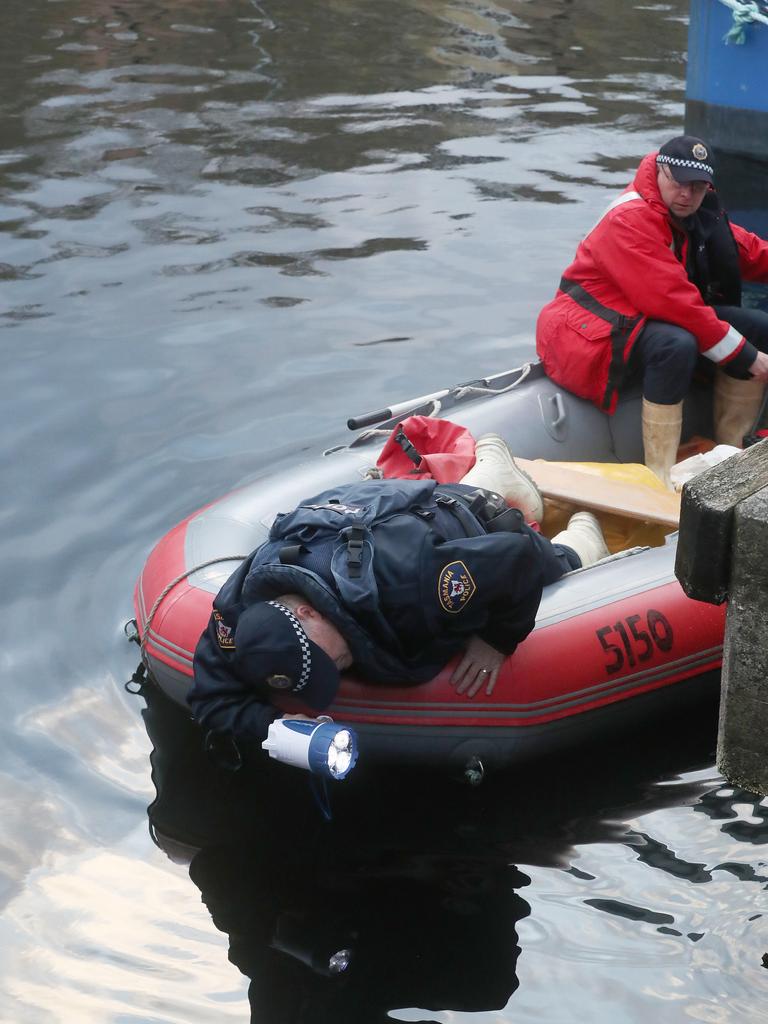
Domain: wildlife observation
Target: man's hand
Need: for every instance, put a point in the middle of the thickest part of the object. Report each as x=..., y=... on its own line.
x=479, y=666
x=759, y=369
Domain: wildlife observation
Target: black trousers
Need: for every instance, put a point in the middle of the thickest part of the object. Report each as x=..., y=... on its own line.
x=665, y=355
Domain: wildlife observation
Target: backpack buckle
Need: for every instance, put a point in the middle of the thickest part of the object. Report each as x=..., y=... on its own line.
x=354, y=536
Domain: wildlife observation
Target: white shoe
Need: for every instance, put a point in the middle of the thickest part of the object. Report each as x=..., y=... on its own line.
x=585, y=536
x=495, y=470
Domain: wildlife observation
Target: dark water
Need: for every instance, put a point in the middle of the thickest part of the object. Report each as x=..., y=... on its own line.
x=225, y=228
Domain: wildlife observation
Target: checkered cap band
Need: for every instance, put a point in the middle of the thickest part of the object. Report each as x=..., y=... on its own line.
x=301, y=636
x=675, y=161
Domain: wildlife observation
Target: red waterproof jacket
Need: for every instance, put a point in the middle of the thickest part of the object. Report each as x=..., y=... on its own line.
x=631, y=268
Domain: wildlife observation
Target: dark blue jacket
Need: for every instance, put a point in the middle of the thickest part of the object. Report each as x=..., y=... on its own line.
x=405, y=571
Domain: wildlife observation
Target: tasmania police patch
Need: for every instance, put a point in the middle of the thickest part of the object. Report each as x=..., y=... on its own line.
x=455, y=586
x=224, y=634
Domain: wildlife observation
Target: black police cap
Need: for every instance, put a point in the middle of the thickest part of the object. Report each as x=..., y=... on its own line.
x=272, y=648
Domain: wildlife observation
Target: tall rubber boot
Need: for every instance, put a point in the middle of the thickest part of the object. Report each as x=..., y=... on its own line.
x=585, y=536
x=736, y=404
x=496, y=470
x=662, y=427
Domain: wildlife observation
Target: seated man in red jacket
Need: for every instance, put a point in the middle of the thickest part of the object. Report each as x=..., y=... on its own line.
x=654, y=285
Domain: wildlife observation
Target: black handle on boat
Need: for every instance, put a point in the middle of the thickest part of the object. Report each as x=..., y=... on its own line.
x=358, y=422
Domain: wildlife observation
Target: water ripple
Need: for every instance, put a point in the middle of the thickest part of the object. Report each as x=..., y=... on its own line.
x=225, y=229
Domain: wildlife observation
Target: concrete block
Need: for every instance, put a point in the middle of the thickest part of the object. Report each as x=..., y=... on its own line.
x=742, y=748
x=703, y=561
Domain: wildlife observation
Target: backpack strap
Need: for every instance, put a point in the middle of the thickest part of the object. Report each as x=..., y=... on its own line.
x=291, y=554
x=461, y=511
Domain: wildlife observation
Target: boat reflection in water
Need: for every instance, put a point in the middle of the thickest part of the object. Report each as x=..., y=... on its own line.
x=741, y=186
x=409, y=897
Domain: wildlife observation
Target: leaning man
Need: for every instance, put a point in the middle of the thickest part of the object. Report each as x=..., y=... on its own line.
x=389, y=578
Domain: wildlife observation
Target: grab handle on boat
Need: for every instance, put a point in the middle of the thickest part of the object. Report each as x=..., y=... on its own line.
x=554, y=415
x=557, y=402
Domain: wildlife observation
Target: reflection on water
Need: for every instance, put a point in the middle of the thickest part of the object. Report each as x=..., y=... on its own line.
x=114, y=935
x=419, y=898
x=225, y=228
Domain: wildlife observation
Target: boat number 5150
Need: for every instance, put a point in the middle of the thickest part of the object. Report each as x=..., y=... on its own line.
x=634, y=639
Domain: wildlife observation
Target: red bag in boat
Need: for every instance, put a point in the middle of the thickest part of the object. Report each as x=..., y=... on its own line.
x=422, y=448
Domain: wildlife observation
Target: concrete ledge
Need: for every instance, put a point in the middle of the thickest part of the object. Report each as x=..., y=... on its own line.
x=745, y=769
x=703, y=561
x=742, y=744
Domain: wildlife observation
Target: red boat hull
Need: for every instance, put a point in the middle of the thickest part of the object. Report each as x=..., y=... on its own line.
x=612, y=644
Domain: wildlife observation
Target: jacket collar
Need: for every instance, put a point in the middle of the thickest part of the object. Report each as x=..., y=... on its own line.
x=646, y=184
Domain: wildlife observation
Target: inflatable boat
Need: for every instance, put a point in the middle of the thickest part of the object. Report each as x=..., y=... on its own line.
x=615, y=644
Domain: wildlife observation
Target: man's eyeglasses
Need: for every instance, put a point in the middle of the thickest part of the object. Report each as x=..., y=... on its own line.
x=698, y=188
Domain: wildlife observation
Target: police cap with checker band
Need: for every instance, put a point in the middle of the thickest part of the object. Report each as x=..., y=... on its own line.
x=688, y=159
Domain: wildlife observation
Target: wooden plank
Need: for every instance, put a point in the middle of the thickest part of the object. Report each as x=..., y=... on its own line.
x=602, y=494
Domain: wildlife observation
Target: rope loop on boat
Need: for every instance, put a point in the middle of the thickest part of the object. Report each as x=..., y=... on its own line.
x=167, y=589
x=485, y=389
x=745, y=12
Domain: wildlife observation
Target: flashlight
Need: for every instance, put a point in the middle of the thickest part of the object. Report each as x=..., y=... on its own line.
x=320, y=746
x=310, y=940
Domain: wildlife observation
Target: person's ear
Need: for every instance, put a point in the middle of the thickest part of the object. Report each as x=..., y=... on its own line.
x=306, y=611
